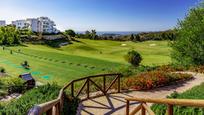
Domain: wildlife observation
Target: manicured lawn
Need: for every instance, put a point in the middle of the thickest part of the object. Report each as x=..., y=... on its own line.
x=153, y=52
x=87, y=57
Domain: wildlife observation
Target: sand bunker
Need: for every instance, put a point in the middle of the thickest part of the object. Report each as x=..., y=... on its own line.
x=123, y=44
x=152, y=45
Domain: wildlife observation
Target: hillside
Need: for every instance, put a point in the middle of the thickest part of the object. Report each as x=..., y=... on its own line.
x=83, y=58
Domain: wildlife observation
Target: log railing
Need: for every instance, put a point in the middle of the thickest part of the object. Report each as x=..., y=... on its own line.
x=54, y=107
x=143, y=107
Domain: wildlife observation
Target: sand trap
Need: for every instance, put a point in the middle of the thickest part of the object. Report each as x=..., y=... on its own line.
x=152, y=45
x=123, y=44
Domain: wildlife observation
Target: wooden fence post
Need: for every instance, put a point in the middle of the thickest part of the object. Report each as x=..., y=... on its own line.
x=61, y=105
x=170, y=110
x=127, y=107
x=87, y=92
x=49, y=112
x=72, y=89
x=104, y=84
x=143, y=110
x=119, y=83
x=54, y=110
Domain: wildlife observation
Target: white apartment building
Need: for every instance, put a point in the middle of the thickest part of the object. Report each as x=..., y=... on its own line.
x=41, y=24
x=46, y=25
x=2, y=23
x=33, y=24
x=20, y=24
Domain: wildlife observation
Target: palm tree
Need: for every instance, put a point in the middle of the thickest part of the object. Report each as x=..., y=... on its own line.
x=93, y=34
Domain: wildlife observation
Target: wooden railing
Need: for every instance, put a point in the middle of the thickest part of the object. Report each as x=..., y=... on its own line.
x=143, y=107
x=55, y=106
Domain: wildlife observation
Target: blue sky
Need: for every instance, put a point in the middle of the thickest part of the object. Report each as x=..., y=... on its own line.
x=102, y=15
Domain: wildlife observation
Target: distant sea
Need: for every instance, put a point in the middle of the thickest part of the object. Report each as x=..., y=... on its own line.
x=114, y=32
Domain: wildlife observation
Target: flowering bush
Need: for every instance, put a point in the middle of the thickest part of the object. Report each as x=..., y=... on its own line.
x=152, y=79
x=171, y=68
x=199, y=69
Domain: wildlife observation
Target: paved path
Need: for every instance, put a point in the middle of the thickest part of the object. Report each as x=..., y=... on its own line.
x=115, y=103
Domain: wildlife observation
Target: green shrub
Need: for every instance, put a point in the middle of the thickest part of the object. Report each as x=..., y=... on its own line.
x=55, y=43
x=2, y=70
x=36, y=96
x=70, y=32
x=133, y=57
x=194, y=93
x=2, y=104
x=11, y=85
x=127, y=71
x=70, y=106
x=29, y=99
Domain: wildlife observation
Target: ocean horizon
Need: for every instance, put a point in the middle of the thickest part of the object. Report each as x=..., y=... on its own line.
x=113, y=32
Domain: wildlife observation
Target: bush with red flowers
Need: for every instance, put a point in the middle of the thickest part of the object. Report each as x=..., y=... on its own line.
x=153, y=79
x=198, y=69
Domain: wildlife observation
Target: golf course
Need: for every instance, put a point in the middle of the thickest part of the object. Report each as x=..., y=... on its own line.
x=87, y=57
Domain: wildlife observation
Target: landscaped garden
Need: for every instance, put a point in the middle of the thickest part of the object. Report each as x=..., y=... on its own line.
x=153, y=79
x=144, y=65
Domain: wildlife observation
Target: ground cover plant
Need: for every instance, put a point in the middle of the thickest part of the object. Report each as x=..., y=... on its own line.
x=36, y=96
x=11, y=85
x=29, y=99
x=194, y=93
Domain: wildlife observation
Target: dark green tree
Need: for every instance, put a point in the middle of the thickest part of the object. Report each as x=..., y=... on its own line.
x=70, y=32
x=9, y=35
x=188, y=48
x=87, y=34
x=132, y=37
x=133, y=57
x=93, y=35
x=137, y=38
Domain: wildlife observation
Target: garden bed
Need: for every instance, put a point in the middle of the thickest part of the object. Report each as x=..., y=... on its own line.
x=153, y=79
x=198, y=69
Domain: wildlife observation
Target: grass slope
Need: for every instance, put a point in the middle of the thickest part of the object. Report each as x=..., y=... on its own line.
x=194, y=93
x=153, y=52
x=83, y=58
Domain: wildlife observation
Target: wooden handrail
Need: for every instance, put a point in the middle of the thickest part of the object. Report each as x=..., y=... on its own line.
x=55, y=106
x=136, y=110
x=181, y=102
x=146, y=107
x=169, y=102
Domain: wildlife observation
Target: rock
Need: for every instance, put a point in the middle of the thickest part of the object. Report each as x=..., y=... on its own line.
x=11, y=96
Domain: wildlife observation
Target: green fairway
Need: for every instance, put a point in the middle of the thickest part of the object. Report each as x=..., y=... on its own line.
x=87, y=57
x=153, y=52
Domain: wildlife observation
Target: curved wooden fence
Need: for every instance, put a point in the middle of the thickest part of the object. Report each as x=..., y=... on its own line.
x=143, y=107
x=54, y=107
